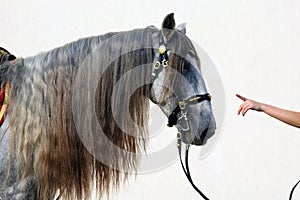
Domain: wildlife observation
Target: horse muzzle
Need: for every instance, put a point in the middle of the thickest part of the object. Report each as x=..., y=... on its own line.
x=188, y=138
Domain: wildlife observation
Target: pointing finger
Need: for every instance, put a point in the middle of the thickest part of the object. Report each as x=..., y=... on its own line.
x=241, y=97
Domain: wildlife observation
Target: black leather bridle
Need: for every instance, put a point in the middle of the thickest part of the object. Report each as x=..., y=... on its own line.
x=181, y=106
x=162, y=62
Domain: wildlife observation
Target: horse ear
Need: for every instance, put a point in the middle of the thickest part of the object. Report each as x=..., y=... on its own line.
x=169, y=22
x=168, y=26
x=182, y=28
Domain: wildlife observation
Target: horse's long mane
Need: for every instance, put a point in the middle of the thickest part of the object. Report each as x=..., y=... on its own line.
x=42, y=128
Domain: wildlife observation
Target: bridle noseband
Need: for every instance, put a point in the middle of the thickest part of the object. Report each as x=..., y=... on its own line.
x=162, y=62
x=181, y=106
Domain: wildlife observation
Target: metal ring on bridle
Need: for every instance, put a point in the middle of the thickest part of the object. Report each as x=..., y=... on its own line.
x=182, y=105
x=165, y=63
x=157, y=65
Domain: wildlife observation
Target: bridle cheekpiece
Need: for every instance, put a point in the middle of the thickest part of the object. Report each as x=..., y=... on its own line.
x=173, y=119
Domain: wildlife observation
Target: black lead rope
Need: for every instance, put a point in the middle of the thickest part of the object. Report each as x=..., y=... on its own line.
x=292, y=191
x=187, y=169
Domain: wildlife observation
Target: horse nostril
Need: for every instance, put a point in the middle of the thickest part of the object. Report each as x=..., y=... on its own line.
x=200, y=141
x=203, y=134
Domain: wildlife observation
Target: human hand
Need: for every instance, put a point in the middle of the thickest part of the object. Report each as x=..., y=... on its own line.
x=248, y=104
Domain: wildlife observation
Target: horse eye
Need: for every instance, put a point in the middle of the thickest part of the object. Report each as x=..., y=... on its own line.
x=187, y=65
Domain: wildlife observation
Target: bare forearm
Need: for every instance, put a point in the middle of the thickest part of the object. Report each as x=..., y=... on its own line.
x=290, y=117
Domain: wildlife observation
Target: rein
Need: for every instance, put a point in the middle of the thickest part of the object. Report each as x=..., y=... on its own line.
x=186, y=169
x=162, y=61
x=292, y=191
x=173, y=121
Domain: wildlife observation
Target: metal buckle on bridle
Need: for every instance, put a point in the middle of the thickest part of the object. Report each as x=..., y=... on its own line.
x=183, y=116
x=182, y=105
x=155, y=67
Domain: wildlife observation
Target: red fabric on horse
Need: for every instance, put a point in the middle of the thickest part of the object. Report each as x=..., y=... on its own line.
x=4, y=96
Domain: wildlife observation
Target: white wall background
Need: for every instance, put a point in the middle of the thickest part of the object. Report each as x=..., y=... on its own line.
x=255, y=46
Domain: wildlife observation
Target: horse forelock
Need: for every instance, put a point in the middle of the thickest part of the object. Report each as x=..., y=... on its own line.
x=42, y=125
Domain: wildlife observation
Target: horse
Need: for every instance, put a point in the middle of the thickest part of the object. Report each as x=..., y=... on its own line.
x=78, y=114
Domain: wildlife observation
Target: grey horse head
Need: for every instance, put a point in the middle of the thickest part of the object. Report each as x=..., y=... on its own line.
x=171, y=87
